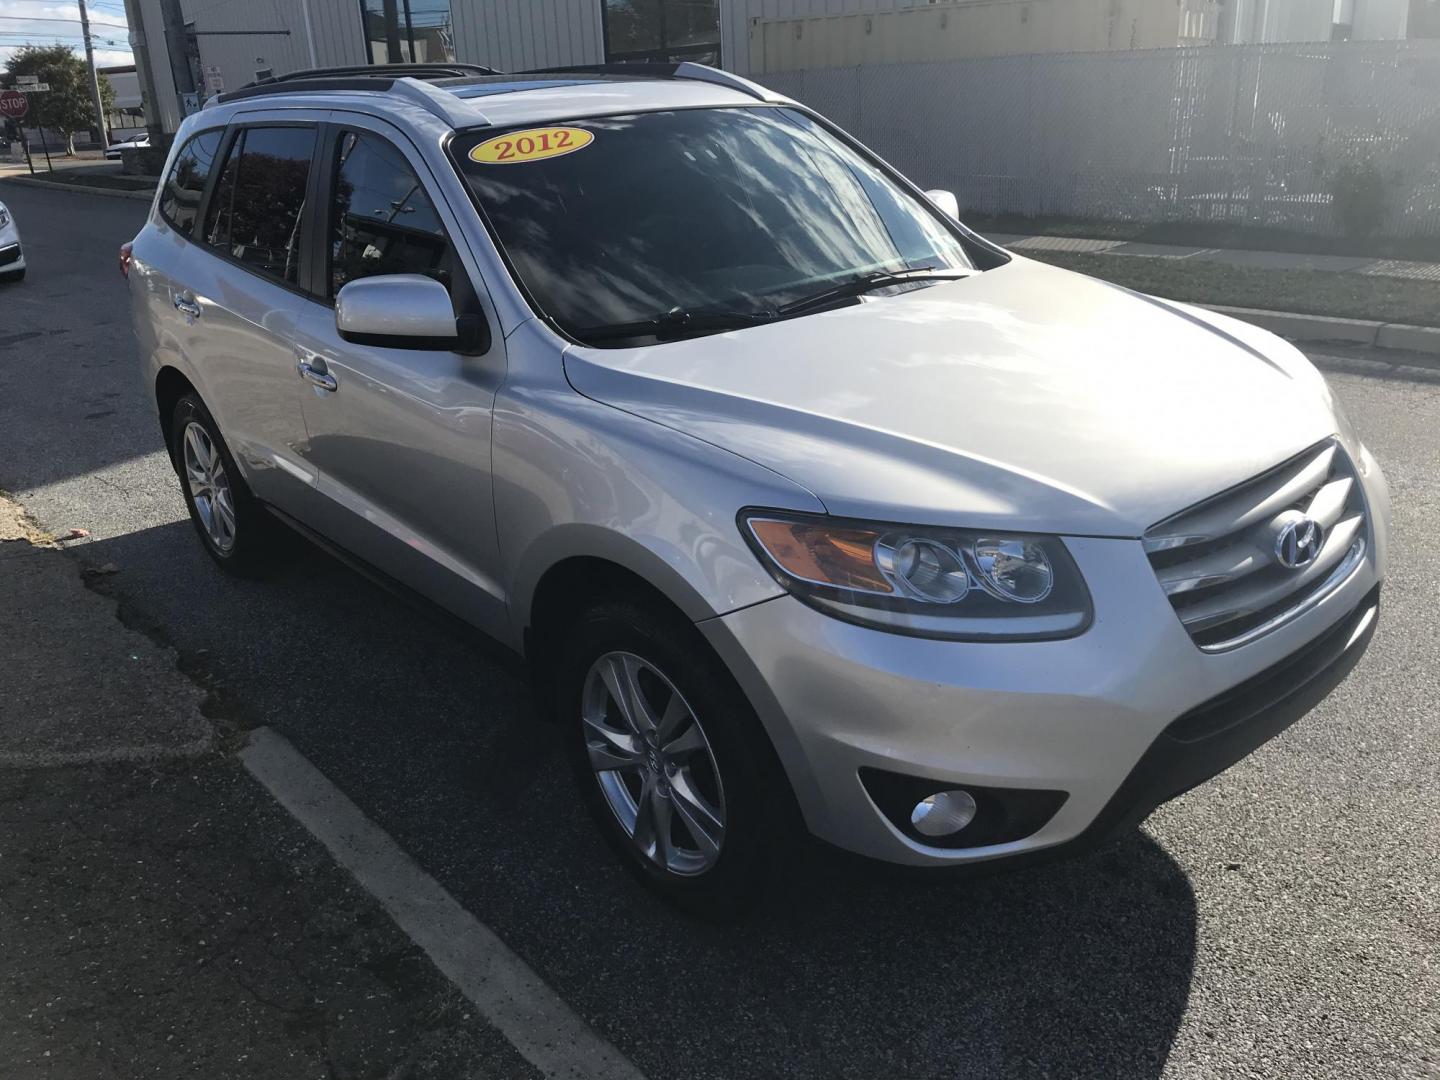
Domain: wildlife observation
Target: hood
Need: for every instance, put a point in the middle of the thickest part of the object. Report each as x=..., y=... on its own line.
x=1026, y=397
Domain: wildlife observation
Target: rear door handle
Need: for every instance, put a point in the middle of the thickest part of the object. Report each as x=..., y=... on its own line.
x=187, y=305
x=312, y=370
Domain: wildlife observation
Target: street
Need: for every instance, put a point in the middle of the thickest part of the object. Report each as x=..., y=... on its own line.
x=1281, y=920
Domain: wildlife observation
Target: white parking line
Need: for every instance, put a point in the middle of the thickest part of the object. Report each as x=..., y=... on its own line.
x=507, y=992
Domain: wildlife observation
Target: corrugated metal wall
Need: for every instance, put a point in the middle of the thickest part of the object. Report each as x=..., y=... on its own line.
x=962, y=28
x=512, y=35
x=738, y=16
x=505, y=34
x=339, y=36
x=1273, y=21
x=283, y=48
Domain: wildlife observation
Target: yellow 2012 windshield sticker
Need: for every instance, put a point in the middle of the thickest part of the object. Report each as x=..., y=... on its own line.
x=535, y=144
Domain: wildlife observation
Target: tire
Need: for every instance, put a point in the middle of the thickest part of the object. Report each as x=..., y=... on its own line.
x=733, y=777
x=232, y=525
x=13, y=277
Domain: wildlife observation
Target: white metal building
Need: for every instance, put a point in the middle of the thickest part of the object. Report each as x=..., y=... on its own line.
x=229, y=42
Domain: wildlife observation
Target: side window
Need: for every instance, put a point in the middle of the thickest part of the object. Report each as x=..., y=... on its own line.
x=381, y=220
x=258, y=207
x=180, y=202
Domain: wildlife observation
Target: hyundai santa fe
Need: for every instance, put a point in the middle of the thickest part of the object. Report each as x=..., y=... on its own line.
x=805, y=504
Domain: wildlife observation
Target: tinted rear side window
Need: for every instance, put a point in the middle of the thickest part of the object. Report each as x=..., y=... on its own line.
x=259, y=203
x=180, y=202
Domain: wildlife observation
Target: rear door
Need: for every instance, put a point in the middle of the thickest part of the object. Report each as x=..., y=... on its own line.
x=168, y=261
x=399, y=439
x=245, y=293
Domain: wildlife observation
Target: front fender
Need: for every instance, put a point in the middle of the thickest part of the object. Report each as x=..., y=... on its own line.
x=574, y=477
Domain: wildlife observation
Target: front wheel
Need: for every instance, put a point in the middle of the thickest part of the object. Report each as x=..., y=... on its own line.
x=671, y=759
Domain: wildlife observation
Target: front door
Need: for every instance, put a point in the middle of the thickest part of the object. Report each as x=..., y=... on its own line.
x=399, y=439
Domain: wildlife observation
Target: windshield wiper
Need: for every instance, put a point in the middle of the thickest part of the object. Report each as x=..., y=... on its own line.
x=869, y=283
x=677, y=323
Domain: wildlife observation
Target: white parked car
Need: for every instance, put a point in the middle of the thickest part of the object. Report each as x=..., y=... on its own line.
x=140, y=140
x=12, y=253
x=804, y=502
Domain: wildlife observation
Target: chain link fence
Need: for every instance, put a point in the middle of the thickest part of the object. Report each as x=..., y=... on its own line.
x=1337, y=139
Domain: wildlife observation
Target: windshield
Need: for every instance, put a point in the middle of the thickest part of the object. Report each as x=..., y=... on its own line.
x=706, y=212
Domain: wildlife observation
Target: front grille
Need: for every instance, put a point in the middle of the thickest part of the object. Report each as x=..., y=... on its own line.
x=1217, y=561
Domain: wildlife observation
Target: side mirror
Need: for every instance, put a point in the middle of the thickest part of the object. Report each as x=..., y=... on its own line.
x=945, y=201
x=406, y=311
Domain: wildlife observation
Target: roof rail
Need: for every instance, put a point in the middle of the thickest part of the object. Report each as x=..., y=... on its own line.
x=456, y=111
x=275, y=86
x=705, y=73
x=684, y=69
x=453, y=110
x=416, y=82
x=446, y=70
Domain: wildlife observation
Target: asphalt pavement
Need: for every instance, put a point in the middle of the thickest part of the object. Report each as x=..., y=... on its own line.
x=1280, y=921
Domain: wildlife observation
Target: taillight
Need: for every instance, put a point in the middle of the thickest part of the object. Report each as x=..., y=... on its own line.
x=125, y=256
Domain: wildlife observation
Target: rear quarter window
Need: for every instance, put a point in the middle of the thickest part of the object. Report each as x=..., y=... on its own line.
x=185, y=185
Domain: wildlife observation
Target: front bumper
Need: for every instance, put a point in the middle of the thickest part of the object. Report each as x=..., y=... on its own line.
x=12, y=256
x=1119, y=719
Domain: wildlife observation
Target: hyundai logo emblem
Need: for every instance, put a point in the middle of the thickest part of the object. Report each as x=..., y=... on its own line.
x=1297, y=543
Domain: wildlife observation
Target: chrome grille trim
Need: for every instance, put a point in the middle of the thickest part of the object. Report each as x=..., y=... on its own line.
x=1217, y=564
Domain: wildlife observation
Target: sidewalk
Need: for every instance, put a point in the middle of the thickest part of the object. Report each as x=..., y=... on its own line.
x=1260, y=260
x=91, y=176
x=160, y=914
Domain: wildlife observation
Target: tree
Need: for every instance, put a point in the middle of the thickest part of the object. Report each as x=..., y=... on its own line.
x=67, y=108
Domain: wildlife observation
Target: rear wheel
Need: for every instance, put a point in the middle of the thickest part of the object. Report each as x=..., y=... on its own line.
x=671, y=759
x=232, y=525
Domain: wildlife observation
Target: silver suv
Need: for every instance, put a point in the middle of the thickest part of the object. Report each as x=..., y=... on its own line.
x=807, y=506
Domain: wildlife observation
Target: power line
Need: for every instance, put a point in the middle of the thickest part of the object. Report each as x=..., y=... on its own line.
x=28, y=19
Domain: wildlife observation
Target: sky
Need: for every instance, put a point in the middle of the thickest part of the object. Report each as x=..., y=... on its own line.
x=45, y=22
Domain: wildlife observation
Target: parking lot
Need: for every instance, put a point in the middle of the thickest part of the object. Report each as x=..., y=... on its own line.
x=1281, y=920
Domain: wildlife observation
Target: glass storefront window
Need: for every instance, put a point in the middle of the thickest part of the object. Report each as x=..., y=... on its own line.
x=662, y=30
x=408, y=31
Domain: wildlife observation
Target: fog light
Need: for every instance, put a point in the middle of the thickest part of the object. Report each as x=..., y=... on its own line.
x=944, y=813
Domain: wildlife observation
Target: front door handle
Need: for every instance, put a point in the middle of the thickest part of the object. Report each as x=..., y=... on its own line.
x=187, y=305
x=313, y=371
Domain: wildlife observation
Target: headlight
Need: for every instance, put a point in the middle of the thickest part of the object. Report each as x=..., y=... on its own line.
x=4, y=217
x=928, y=582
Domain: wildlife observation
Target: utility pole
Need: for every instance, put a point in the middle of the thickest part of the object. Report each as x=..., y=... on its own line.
x=177, y=46
x=94, y=77
x=140, y=46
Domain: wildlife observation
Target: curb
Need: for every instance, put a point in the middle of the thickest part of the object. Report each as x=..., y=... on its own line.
x=84, y=189
x=1379, y=335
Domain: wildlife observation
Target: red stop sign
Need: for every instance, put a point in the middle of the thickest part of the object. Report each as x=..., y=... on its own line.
x=13, y=104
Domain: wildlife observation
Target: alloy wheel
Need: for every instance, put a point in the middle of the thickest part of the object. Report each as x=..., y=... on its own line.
x=209, y=487
x=653, y=763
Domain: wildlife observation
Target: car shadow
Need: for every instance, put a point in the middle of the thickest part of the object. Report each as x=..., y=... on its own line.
x=1075, y=968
